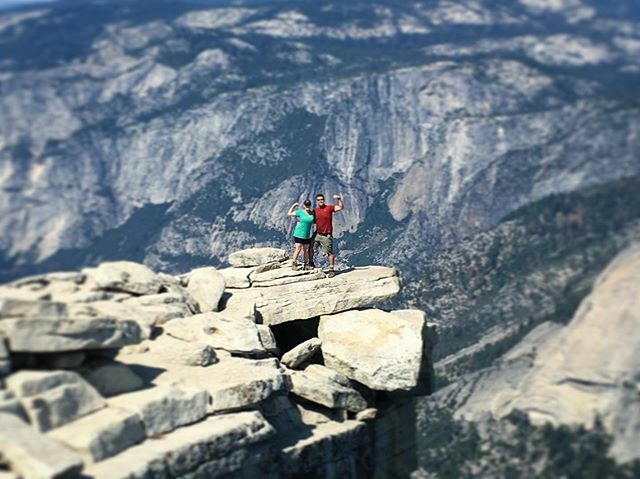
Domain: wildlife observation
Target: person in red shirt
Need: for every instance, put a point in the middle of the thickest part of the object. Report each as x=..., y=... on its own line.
x=323, y=237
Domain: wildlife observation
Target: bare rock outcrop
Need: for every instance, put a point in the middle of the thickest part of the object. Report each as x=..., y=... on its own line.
x=576, y=373
x=122, y=372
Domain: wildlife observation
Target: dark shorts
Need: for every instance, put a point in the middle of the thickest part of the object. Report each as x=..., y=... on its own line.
x=301, y=240
x=325, y=242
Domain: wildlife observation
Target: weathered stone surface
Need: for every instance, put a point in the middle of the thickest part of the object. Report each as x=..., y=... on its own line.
x=218, y=330
x=301, y=353
x=368, y=414
x=102, y=434
x=9, y=404
x=267, y=338
x=54, y=398
x=24, y=294
x=145, y=316
x=572, y=375
x=285, y=275
x=256, y=256
x=187, y=450
x=323, y=450
x=206, y=286
x=237, y=277
x=48, y=278
x=233, y=383
x=268, y=267
x=170, y=350
x=244, y=310
x=68, y=334
x=124, y=276
x=358, y=288
x=313, y=414
x=381, y=350
x=159, y=299
x=165, y=408
x=111, y=378
x=329, y=374
x=173, y=286
x=11, y=307
x=32, y=454
x=319, y=389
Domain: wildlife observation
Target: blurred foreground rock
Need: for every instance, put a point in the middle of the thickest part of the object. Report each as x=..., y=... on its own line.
x=118, y=372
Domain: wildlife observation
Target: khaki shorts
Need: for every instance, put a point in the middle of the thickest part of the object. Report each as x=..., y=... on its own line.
x=325, y=242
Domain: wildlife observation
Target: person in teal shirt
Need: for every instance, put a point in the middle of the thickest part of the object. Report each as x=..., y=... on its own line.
x=302, y=233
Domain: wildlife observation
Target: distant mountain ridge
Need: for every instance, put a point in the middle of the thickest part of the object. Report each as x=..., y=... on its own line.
x=456, y=113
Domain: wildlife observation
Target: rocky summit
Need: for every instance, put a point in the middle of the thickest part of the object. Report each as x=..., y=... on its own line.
x=120, y=372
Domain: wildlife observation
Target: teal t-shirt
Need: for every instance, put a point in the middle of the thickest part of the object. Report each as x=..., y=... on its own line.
x=305, y=222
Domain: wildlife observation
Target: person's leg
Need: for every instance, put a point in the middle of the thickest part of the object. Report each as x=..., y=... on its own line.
x=313, y=246
x=331, y=257
x=296, y=253
x=307, y=255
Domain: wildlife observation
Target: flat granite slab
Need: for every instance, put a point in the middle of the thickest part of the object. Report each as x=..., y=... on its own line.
x=357, y=288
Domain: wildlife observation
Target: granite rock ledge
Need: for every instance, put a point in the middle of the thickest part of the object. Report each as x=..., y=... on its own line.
x=120, y=372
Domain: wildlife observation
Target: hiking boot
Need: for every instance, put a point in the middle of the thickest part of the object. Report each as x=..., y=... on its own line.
x=308, y=267
x=331, y=273
x=295, y=266
x=312, y=264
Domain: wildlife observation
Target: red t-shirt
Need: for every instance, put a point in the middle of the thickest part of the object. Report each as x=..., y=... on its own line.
x=323, y=218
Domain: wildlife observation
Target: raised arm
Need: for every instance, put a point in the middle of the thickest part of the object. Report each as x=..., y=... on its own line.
x=340, y=205
x=292, y=210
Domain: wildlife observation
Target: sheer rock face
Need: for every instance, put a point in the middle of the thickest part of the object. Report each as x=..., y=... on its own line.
x=187, y=397
x=573, y=374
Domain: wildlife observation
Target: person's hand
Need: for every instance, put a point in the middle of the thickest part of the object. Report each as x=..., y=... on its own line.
x=337, y=197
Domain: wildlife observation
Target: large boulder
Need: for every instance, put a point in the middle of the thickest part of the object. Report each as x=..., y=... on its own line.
x=216, y=447
x=40, y=335
x=237, y=278
x=165, y=408
x=32, y=454
x=147, y=317
x=256, y=256
x=358, y=288
x=319, y=389
x=206, y=287
x=101, y=434
x=301, y=353
x=236, y=335
x=54, y=398
x=169, y=350
x=382, y=350
x=125, y=276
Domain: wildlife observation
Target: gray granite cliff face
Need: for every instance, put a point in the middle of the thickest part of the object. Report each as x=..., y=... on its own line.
x=204, y=125
x=578, y=374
